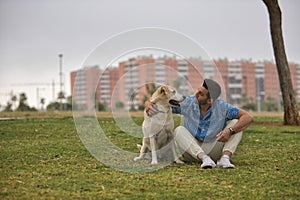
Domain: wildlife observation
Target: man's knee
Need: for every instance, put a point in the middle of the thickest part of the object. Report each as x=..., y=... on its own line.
x=179, y=130
x=182, y=135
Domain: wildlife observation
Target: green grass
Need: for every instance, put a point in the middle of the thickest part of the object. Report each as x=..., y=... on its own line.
x=43, y=158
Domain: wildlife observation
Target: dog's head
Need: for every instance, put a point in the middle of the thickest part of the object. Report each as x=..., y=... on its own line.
x=167, y=95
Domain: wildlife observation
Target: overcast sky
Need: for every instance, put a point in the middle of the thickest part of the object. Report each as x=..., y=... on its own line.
x=34, y=32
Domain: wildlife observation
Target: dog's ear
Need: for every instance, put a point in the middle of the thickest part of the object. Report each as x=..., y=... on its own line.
x=163, y=90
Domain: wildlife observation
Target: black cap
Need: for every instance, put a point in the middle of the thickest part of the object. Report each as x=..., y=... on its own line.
x=213, y=88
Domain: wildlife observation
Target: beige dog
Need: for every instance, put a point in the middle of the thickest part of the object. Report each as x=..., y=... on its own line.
x=158, y=129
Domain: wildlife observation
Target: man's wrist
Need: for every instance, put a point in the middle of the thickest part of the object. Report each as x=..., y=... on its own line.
x=232, y=131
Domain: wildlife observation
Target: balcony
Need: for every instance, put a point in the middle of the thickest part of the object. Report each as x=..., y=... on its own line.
x=235, y=85
x=235, y=77
x=235, y=96
x=234, y=70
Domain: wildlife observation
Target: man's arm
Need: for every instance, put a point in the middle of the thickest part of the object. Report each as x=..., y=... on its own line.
x=151, y=108
x=244, y=120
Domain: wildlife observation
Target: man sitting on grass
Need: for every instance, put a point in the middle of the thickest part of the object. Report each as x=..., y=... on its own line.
x=207, y=134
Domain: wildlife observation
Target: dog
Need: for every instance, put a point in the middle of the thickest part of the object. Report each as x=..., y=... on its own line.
x=158, y=129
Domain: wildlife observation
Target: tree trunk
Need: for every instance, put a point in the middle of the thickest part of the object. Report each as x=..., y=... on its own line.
x=291, y=114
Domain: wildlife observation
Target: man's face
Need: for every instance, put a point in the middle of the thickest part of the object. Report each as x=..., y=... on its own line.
x=201, y=95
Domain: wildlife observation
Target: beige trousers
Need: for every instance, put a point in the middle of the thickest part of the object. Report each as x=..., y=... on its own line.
x=189, y=147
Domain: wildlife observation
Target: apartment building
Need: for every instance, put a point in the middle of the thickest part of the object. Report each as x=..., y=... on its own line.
x=241, y=79
x=85, y=87
x=133, y=75
x=248, y=80
x=107, y=83
x=297, y=81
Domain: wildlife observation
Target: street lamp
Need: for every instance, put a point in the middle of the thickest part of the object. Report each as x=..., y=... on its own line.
x=60, y=81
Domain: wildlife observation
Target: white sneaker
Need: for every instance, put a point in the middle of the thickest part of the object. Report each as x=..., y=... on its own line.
x=207, y=163
x=224, y=162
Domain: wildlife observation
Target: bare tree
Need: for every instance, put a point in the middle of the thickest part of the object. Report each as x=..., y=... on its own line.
x=291, y=114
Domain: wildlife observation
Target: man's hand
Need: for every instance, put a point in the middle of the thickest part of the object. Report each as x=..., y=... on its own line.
x=151, y=108
x=223, y=136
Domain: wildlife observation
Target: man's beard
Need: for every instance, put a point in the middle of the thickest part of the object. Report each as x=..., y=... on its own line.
x=202, y=102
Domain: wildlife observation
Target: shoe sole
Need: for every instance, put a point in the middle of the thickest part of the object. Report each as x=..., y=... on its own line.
x=224, y=167
x=207, y=167
x=228, y=167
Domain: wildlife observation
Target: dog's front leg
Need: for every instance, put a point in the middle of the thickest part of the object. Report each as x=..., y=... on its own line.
x=153, y=150
x=143, y=151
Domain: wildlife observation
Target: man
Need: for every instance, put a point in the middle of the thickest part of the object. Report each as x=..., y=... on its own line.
x=207, y=135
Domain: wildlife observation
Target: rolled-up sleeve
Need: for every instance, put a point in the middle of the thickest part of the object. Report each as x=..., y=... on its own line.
x=232, y=112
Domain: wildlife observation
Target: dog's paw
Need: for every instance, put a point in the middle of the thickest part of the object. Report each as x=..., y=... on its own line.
x=136, y=158
x=154, y=162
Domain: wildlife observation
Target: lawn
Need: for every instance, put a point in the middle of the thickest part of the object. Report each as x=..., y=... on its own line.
x=42, y=157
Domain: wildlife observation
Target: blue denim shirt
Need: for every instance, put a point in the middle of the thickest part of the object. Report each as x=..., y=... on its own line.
x=205, y=128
